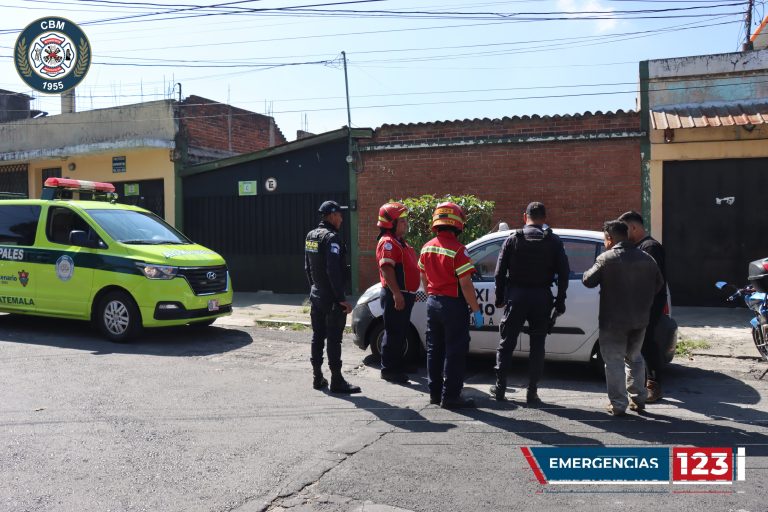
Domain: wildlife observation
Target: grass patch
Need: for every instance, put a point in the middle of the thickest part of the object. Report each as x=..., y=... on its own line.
x=283, y=326
x=305, y=310
x=686, y=347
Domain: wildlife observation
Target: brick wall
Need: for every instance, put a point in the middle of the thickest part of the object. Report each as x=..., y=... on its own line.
x=210, y=125
x=585, y=168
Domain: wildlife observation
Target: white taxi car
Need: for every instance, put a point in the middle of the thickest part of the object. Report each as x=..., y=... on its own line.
x=574, y=336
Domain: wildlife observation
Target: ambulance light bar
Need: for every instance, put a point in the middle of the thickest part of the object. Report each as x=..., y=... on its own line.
x=69, y=184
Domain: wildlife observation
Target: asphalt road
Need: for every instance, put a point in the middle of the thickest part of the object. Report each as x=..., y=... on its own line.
x=225, y=419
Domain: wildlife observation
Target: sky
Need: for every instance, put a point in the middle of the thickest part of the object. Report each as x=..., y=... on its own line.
x=407, y=61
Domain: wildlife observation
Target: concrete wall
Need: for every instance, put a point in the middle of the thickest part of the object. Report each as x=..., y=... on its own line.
x=707, y=79
x=140, y=164
x=145, y=124
x=585, y=168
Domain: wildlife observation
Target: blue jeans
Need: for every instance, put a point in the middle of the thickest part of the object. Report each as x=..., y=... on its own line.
x=447, y=345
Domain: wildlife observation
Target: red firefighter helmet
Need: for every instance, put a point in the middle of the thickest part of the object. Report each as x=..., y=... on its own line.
x=389, y=213
x=448, y=214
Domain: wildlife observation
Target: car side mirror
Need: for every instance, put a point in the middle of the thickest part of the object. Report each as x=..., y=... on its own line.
x=80, y=239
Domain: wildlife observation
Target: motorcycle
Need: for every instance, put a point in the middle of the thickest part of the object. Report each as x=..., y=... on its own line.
x=755, y=296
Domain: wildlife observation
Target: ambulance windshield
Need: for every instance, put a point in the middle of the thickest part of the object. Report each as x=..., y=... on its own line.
x=137, y=228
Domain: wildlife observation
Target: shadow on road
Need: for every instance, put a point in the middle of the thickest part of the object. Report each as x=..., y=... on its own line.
x=169, y=341
x=400, y=417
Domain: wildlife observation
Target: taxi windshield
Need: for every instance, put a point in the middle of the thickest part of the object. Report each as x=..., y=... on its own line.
x=137, y=228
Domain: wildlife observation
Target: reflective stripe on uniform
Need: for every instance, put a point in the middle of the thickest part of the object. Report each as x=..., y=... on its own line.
x=464, y=268
x=439, y=250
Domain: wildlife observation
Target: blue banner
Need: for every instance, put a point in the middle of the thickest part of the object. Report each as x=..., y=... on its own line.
x=602, y=465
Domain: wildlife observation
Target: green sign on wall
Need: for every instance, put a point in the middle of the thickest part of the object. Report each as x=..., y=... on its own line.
x=246, y=188
x=131, y=189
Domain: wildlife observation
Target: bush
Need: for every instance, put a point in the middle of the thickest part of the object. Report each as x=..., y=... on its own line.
x=479, y=217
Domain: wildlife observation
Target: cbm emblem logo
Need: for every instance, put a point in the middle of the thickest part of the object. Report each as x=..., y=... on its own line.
x=52, y=55
x=24, y=278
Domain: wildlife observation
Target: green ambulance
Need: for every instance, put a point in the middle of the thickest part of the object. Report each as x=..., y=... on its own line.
x=118, y=266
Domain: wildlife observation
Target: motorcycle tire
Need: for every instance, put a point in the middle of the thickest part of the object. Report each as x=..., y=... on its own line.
x=759, y=337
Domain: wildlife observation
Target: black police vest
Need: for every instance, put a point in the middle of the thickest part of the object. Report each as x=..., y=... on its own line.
x=532, y=261
x=317, y=247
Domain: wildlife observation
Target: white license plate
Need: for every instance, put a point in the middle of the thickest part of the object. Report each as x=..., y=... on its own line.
x=213, y=305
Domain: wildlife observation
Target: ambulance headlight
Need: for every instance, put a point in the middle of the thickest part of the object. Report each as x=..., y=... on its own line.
x=158, y=271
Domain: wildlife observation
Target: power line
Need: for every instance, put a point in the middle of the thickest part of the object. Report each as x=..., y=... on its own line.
x=445, y=102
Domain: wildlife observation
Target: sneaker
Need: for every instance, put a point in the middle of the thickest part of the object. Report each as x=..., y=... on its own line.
x=614, y=412
x=434, y=399
x=636, y=406
x=396, y=377
x=654, y=391
x=457, y=403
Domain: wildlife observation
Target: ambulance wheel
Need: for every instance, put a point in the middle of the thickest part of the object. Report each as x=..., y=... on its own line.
x=118, y=317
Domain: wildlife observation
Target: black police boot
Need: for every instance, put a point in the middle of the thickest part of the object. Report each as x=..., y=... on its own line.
x=396, y=377
x=457, y=403
x=339, y=385
x=532, y=397
x=500, y=388
x=318, y=382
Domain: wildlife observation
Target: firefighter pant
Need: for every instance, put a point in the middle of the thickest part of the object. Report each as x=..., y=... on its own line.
x=396, y=325
x=525, y=304
x=447, y=345
x=328, y=321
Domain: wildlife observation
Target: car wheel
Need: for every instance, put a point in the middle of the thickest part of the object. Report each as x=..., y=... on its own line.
x=596, y=361
x=376, y=337
x=118, y=317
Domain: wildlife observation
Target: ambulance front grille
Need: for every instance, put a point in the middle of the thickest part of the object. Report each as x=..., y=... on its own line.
x=205, y=280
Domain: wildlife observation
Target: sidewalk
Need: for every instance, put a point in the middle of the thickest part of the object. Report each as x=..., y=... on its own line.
x=725, y=330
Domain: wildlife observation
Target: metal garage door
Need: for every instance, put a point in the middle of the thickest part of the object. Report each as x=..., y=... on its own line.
x=715, y=222
x=14, y=179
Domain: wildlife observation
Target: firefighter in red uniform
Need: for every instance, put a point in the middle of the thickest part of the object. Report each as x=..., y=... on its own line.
x=446, y=273
x=399, y=273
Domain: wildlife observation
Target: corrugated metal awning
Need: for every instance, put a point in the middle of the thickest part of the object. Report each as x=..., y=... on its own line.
x=709, y=115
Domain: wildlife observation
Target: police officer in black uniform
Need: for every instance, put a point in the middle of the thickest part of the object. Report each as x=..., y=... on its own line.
x=325, y=265
x=528, y=263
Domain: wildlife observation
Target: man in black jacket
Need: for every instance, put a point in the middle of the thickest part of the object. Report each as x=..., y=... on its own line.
x=654, y=360
x=325, y=265
x=528, y=262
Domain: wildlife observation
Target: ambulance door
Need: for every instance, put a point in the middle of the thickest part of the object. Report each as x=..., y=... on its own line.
x=68, y=274
x=18, y=277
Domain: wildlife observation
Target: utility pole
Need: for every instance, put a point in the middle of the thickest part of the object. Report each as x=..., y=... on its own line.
x=353, y=227
x=747, y=43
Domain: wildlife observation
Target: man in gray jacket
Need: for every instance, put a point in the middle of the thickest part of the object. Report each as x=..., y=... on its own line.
x=628, y=279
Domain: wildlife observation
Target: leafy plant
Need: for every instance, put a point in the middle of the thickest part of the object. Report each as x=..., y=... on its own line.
x=479, y=217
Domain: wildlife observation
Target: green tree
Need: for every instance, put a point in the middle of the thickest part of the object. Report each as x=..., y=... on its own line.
x=479, y=217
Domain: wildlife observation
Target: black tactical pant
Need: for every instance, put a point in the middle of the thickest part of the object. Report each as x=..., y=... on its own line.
x=328, y=320
x=533, y=305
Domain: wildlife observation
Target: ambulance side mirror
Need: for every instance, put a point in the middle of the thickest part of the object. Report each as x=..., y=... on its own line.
x=80, y=239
